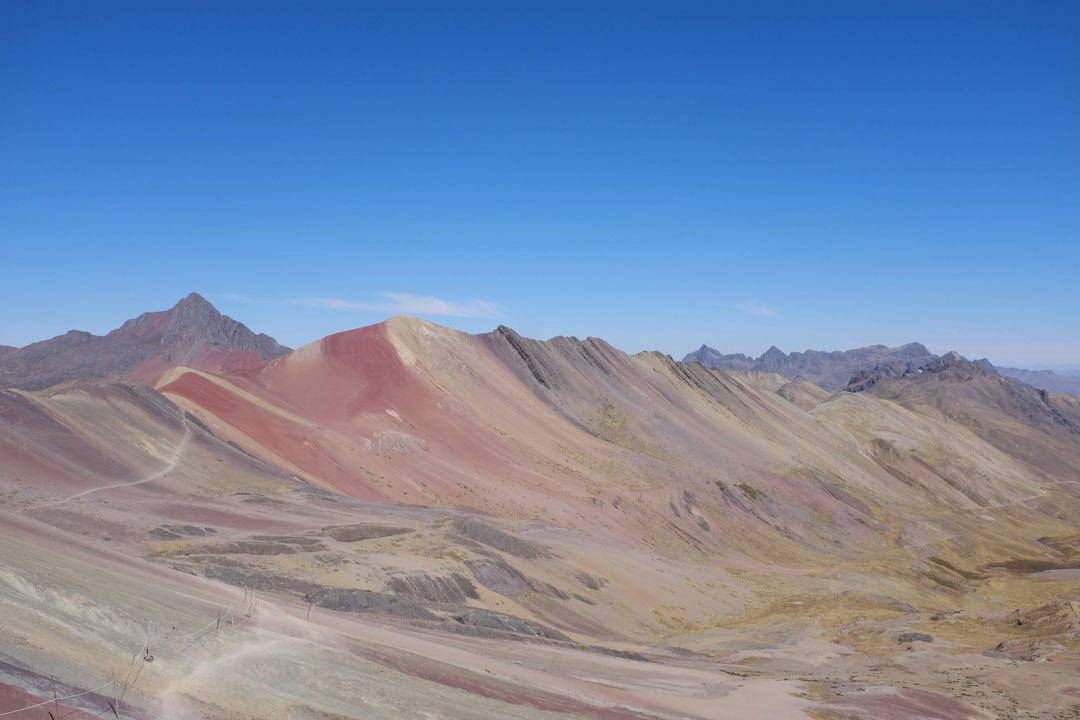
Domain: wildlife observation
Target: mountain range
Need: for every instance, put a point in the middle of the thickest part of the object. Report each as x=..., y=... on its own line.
x=405, y=520
x=831, y=370
x=1044, y=379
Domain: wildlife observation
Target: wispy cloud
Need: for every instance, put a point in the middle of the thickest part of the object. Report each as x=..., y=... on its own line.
x=427, y=305
x=242, y=299
x=755, y=308
x=407, y=304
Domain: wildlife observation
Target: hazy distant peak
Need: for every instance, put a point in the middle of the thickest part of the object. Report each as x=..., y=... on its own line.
x=712, y=358
x=1043, y=379
x=829, y=369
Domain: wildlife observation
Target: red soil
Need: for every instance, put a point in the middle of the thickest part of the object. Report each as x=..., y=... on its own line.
x=12, y=697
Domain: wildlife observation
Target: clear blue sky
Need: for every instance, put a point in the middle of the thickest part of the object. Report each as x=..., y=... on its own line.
x=806, y=174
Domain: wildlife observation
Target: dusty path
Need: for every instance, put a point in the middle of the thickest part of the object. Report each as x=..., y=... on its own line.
x=168, y=468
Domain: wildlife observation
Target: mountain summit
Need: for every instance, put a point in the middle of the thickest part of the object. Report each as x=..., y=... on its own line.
x=191, y=333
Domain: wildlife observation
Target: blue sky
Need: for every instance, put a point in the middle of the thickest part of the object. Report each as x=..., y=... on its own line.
x=818, y=175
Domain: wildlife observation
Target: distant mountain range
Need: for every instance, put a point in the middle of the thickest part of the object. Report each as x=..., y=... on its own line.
x=191, y=333
x=833, y=370
x=1045, y=379
x=829, y=370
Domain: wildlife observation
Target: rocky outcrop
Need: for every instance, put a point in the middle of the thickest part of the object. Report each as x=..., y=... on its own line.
x=501, y=622
x=495, y=538
x=356, y=533
x=499, y=576
x=424, y=588
x=530, y=353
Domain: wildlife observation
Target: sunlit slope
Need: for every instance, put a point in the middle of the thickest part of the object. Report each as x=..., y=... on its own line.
x=578, y=433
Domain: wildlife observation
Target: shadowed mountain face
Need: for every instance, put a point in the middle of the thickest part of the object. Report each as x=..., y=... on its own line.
x=191, y=333
x=1044, y=379
x=829, y=370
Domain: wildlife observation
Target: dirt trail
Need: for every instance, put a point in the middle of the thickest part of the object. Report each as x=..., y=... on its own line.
x=168, y=468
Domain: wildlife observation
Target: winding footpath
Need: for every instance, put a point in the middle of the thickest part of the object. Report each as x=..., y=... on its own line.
x=169, y=467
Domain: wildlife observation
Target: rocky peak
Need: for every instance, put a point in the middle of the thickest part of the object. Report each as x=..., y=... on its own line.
x=713, y=358
x=190, y=332
x=773, y=351
x=194, y=299
x=952, y=358
x=957, y=366
x=772, y=360
x=195, y=324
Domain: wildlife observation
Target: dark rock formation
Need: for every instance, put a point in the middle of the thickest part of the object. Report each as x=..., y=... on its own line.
x=478, y=617
x=356, y=533
x=495, y=538
x=425, y=588
x=499, y=576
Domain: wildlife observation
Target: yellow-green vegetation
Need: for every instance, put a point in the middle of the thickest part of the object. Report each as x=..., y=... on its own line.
x=169, y=547
x=615, y=427
x=749, y=491
x=605, y=472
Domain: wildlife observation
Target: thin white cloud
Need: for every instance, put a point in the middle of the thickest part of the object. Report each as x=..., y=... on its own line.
x=427, y=305
x=756, y=308
x=243, y=299
x=407, y=304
